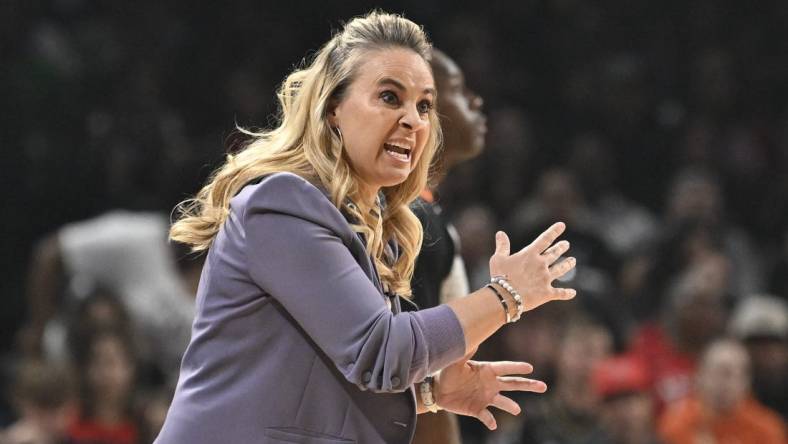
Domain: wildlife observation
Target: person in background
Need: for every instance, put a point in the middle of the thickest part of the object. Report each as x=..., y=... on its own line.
x=626, y=409
x=761, y=323
x=695, y=314
x=106, y=366
x=623, y=224
x=440, y=275
x=45, y=401
x=127, y=254
x=722, y=408
x=570, y=412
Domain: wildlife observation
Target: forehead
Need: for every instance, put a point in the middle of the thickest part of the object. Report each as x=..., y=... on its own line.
x=399, y=64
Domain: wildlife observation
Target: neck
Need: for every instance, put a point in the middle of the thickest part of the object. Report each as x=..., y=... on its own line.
x=367, y=195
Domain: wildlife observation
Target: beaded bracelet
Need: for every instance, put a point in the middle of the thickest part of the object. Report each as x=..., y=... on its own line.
x=503, y=302
x=515, y=295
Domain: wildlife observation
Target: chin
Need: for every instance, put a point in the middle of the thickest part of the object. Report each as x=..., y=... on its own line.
x=394, y=180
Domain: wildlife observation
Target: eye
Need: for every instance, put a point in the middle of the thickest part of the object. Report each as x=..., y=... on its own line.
x=425, y=106
x=389, y=98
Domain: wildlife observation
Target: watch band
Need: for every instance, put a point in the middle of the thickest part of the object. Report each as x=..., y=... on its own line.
x=427, y=397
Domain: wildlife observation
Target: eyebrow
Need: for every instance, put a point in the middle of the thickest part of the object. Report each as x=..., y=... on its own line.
x=397, y=84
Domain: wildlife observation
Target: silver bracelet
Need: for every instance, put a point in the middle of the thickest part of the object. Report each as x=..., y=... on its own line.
x=515, y=295
x=503, y=302
x=427, y=398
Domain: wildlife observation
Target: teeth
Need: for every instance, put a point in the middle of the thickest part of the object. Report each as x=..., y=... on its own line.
x=392, y=151
x=399, y=156
x=397, y=148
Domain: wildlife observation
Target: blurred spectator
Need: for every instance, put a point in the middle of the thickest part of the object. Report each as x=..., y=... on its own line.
x=646, y=280
x=696, y=196
x=761, y=323
x=626, y=410
x=569, y=412
x=106, y=364
x=722, y=409
x=624, y=225
x=696, y=231
x=44, y=398
x=557, y=197
x=125, y=253
x=694, y=315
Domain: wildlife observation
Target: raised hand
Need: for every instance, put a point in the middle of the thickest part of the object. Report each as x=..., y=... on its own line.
x=471, y=387
x=532, y=270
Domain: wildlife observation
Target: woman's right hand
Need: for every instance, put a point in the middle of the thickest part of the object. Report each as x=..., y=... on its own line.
x=532, y=270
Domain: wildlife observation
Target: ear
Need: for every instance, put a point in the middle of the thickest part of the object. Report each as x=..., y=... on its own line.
x=331, y=113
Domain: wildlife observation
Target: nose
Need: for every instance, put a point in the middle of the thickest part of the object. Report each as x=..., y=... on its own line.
x=412, y=120
x=476, y=100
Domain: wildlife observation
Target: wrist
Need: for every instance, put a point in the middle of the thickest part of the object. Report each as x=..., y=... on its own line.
x=428, y=395
x=508, y=289
x=505, y=300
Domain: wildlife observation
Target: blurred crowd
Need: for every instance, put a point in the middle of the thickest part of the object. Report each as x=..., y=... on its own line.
x=658, y=131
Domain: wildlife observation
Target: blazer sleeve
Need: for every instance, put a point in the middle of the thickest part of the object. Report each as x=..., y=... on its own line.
x=297, y=253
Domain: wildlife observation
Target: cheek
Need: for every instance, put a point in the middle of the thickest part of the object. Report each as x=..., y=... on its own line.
x=365, y=136
x=421, y=143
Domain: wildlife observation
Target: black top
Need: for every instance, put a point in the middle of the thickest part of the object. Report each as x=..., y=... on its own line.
x=435, y=258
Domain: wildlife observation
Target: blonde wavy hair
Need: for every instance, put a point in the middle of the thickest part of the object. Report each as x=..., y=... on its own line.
x=304, y=144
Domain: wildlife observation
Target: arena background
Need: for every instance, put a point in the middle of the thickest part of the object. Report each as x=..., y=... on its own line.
x=674, y=111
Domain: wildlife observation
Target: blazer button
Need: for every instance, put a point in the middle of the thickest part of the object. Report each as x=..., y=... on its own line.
x=395, y=381
x=366, y=377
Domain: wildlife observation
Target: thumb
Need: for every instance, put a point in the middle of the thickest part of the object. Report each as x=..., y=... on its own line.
x=502, y=246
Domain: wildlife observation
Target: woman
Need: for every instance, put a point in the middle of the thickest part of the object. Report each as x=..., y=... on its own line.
x=298, y=336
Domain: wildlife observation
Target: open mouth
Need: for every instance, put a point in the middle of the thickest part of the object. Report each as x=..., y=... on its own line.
x=397, y=151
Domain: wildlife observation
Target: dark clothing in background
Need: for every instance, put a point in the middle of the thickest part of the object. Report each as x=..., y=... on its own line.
x=436, y=256
x=433, y=267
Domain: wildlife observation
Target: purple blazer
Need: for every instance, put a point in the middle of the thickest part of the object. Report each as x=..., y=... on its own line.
x=292, y=339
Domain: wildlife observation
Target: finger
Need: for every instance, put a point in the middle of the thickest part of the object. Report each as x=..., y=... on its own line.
x=553, y=253
x=469, y=354
x=518, y=384
x=506, y=404
x=502, y=246
x=548, y=237
x=487, y=418
x=510, y=368
x=562, y=268
x=563, y=293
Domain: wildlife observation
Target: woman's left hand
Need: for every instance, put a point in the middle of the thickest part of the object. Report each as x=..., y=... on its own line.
x=471, y=387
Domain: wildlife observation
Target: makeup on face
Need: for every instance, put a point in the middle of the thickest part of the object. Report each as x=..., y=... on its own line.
x=385, y=117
